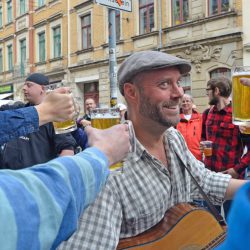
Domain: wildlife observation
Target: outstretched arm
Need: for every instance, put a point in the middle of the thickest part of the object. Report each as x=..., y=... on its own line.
x=40, y=206
x=233, y=186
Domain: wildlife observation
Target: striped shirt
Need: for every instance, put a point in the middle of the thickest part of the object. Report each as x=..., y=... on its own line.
x=135, y=199
x=40, y=206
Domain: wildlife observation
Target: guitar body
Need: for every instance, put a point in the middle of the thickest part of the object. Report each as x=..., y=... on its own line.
x=184, y=227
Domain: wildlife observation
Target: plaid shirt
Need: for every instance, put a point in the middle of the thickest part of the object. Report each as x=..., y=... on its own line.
x=137, y=198
x=228, y=142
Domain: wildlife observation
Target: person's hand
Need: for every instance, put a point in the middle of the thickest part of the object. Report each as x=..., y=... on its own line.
x=85, y=123
x=243, y=129
x=113, y=142
x=201, y=147
x=245, y=81
x=231, y=172
x=58, y=105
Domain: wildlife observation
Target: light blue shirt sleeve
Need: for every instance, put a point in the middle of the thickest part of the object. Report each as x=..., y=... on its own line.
x=18, y=122
x=40, y=206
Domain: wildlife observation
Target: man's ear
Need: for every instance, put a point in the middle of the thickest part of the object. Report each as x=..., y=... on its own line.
x=216, y=91
x=43, y=89
x=129, y=90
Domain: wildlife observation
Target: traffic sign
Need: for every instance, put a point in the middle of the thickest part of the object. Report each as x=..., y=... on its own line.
x=125, y=5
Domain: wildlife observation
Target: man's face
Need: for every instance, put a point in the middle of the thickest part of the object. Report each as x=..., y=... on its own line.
x=160, y=95
x=212, y=98
x=90, y=104
x=186, y=104
x=33, y=92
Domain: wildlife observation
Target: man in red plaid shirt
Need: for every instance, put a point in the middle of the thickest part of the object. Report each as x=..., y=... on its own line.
x=228, y=142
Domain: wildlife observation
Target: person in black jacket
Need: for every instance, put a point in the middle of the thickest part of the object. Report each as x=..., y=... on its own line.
x=90, y=104
x=40, y=146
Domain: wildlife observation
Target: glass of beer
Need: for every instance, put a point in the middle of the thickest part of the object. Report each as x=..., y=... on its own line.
x=207, y=148
x=241, y=97
x=103, y=118
x=69, y=125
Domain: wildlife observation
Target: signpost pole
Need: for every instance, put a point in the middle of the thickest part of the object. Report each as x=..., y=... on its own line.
x=112, y=58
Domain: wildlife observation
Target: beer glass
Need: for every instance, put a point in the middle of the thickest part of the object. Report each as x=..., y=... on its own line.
x=207, y=148
x=103, y=118
x=64, y=126
x=241, y=97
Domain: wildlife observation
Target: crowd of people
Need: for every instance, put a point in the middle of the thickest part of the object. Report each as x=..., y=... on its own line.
x=70, y=201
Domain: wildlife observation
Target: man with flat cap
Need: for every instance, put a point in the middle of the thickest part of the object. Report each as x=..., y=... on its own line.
x=40, y=146
x=154, y=178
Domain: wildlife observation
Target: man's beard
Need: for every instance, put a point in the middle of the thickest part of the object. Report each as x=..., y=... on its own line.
x=214, y=100
x=154, y=112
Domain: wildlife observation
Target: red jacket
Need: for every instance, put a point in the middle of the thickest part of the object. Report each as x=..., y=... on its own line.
x=191, y=131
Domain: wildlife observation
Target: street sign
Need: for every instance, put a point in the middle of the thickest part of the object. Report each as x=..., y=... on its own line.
x=125, y=5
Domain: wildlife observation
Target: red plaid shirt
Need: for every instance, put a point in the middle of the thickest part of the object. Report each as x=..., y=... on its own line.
x=228, y=142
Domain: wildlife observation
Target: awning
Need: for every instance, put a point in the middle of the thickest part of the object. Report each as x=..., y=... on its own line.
x=3, y=96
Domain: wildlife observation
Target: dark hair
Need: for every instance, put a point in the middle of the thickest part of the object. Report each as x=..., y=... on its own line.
x=223, y=84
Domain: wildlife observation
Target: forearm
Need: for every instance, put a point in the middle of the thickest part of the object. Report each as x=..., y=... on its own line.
x=43, y=114
x=50, y=199
x=233, y=186
x=244, y=162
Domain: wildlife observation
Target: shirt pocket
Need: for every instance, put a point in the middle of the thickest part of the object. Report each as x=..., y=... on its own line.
x=144, y=217
x=228, y=131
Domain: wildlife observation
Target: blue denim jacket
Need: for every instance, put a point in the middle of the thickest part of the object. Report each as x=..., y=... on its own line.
x=18, y=122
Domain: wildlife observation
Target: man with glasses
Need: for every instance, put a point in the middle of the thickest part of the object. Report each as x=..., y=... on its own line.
x=228, y=142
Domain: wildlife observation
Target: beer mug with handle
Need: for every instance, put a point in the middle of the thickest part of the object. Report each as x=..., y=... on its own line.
x=103, y=118
x=69, y=125
x=241, y=98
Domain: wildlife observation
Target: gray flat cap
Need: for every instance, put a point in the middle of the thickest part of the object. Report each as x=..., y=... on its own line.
x=148, y=60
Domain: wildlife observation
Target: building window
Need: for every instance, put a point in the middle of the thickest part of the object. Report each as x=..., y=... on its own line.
x=146, y=16
x=185, y=83
x=22, y=56
x=10, y=57
x=9, y=11
x=1, y=60
x=40, y=3
x=218, y=6
x=86, y=31
x=118, y=25
x=180, y=11
x=220, y=72
x=1, y=16
x=41, y=46
x=22, y=7
x=57, y=41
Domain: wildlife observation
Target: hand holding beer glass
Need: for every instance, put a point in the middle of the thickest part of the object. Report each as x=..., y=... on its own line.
x=241, y=98
x=103, y=118
x=69, y=125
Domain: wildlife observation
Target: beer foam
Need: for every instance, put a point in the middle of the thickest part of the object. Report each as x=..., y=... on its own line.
x=246, y=74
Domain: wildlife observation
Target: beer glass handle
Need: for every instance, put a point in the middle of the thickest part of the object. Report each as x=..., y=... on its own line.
x=132, y=138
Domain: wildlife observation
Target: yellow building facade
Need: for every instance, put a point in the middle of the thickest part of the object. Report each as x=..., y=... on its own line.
x=69, y=41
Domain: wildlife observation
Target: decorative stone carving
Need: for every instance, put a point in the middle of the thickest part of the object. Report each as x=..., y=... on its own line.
x=198, y=53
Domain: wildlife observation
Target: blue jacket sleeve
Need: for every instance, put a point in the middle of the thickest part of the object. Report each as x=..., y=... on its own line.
x=15, y=123
x=81, y=138
x=40, y=206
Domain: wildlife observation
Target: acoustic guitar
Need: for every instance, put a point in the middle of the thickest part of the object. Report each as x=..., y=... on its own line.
x=184, y=227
